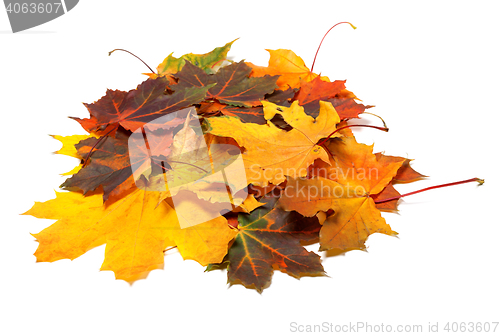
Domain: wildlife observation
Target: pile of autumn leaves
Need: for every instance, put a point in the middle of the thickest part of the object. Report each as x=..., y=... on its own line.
x=307, y=182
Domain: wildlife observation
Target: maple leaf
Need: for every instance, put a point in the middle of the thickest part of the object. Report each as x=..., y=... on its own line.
x=354, y=164
x=187, y=140
x=68, y=144
x=290, y=67
x=346, y=106
x=273, y=164
x=111, y=166
x=281, y=97
x=104, y=108
x=312, y=92
x=343, y=100
x=345, y=186
x=249, y=204
x=231, y=84
x=388, y=192
x=269, y=236
x=134, y=246
x=172, y=65
x=84, y=223
x=211, y=172
x=405, y=174
x=68, y=148
x=137, y=107
x=254, y=114
x=355, y=215
x=270, y=152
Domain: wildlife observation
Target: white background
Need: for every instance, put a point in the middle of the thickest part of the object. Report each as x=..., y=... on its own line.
x=430, y=67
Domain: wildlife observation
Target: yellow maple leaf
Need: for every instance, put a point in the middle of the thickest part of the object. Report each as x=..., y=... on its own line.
x=68, y=144
x=249, y=204
x=271, y=153
x=68, y=148
x=136, y=245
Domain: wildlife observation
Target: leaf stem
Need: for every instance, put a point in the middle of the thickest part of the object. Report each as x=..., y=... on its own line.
x=327, y=149
x=219, y=61
x=314, y=61
x=385, y=129
x=475, y=179
x=373, y=114
x=112, y=51
x=189, y=164
x=96, y=143
x=169, y=248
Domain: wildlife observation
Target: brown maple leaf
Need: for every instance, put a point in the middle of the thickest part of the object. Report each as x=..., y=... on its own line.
x=312, y=92
x=111, y=165
x=405, y=174
x=137, y=107
x=254, y=114
x=230, y=85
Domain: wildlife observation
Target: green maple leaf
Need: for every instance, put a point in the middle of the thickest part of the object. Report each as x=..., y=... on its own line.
x=172, y=65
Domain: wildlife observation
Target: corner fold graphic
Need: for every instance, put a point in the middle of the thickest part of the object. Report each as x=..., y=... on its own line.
x=25, y=15
x=70, y=4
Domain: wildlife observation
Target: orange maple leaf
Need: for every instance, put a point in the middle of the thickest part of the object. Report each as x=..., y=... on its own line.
x=288, y=65
x=345, y=186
